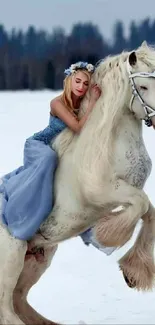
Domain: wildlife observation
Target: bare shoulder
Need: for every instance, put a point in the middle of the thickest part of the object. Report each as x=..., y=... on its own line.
x=54, y=102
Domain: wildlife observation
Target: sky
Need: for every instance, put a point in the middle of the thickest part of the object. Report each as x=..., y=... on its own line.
x=82, y=283
x=48, y=14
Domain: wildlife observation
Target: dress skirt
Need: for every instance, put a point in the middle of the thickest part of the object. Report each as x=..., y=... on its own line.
x=27, y=191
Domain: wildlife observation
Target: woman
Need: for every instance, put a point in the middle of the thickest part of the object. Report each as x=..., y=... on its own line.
x=27, y=191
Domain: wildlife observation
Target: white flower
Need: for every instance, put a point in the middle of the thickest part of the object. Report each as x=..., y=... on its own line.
x=78, y=65
x=72, y=67
x=90, y=67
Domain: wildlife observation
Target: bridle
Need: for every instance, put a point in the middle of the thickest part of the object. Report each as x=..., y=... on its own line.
x=148, y=110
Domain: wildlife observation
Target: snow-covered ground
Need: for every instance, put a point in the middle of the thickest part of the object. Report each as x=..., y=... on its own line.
x=82, y=283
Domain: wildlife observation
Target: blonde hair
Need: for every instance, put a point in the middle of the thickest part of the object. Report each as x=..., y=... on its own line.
x=66, y=96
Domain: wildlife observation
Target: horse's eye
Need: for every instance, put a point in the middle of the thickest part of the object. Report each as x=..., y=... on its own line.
x=143, y=87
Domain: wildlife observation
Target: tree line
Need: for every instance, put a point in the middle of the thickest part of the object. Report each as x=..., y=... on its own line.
x=36, y=59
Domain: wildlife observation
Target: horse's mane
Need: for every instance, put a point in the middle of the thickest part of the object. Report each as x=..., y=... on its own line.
x=94, y=144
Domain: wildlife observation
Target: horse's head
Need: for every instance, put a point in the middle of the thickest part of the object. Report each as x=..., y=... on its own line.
x=127, y=81
x=141, y=73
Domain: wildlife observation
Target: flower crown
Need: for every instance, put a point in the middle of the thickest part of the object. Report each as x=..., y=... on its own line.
x=79, y=66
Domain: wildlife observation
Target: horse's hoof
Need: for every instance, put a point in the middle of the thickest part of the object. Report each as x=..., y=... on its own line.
x=131, y=283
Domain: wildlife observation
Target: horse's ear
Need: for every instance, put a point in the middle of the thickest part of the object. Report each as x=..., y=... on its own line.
x=144, y=44
x=132, y=58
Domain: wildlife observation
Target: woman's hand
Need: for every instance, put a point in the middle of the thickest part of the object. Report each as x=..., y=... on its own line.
x=95, y=93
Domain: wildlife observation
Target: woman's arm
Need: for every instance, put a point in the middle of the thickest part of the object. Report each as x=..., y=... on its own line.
x=58, y=109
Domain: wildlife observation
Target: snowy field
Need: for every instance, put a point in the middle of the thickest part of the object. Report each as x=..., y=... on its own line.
x=82, y=283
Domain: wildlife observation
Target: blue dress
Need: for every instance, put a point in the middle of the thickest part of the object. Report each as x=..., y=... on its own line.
x=28, y=192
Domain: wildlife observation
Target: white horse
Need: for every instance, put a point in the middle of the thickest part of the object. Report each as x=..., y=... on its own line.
x=99, y=183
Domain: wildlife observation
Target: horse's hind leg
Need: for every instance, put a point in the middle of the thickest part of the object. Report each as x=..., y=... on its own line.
x=12, y=256
x=34, y=267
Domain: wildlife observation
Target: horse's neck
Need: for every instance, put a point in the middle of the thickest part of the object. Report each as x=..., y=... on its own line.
x=128, y=126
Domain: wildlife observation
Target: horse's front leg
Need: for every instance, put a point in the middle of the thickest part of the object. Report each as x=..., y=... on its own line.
x=140, y=257
x=126, y=205
x=117, y=228
x=61, y=225
x=114, y=229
